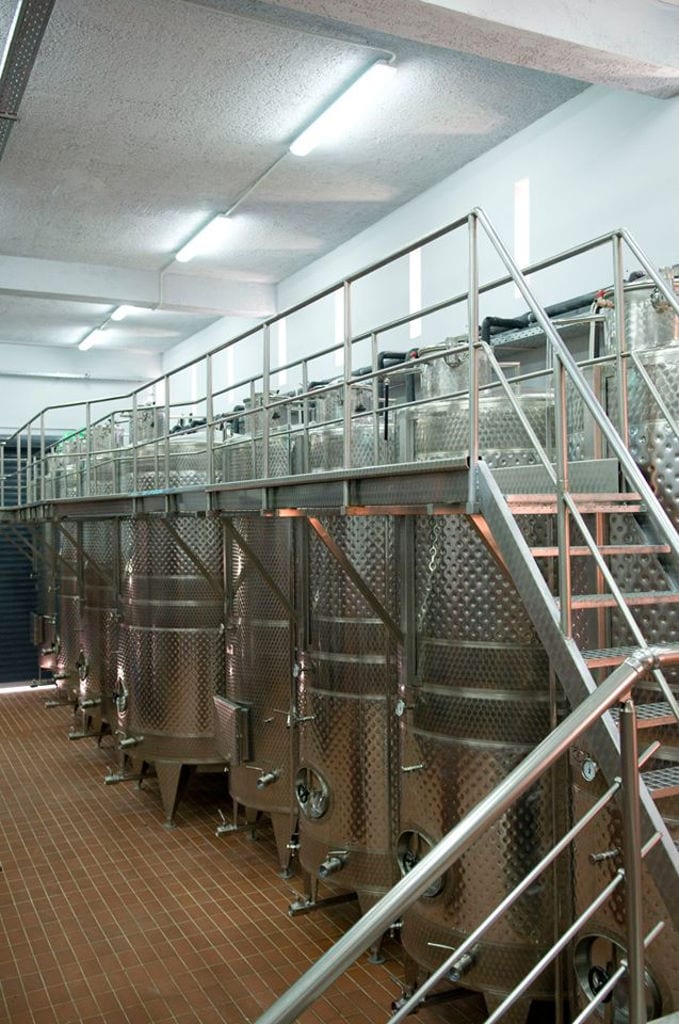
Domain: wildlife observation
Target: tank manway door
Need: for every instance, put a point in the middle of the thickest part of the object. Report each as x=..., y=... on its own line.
x=232, y=731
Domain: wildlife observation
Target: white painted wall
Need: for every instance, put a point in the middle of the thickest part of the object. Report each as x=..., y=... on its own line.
x=604, y=159
x=33, y=378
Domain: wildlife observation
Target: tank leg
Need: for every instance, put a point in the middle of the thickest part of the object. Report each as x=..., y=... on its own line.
x=281, y=831
x=173, y=778
x=252, y=817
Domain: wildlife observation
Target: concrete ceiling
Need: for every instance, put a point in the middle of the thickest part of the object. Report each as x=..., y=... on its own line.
x=141, y=121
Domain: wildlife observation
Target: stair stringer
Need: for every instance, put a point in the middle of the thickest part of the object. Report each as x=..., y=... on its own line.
x=574, y=675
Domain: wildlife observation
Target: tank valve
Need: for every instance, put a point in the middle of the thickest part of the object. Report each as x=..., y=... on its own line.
x=412, y=767
x=92, y=702
x=113, y=777
x=333, y=863
x=130, y=741
x=460, y=967
x=266, y=779
x=598, y=858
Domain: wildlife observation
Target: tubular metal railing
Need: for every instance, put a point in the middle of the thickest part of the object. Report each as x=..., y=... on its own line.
x=444, y=855
x=88, y=456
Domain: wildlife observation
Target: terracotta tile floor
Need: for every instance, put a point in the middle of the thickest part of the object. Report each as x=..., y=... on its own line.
x=108, y=918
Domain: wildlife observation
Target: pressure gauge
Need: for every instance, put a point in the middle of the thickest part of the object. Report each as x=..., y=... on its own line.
x=589, y=769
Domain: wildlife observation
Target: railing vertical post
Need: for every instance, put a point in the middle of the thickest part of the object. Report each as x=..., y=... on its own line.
x=135, y=439
x=562, y=514
x=306, y=454
x=632, y=863
x=620, y=333
x=29, y=463
x=43, y=469
x=88, y=448
x=347, y=375
x=209, y=417
x=2, y=475
x=376, y=399
x=18, y=448
x=266, y=399
x=168, y=406
x=473, y=316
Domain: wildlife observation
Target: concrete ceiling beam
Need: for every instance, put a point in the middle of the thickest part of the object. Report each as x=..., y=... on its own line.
x=629, y=44
x=184, y=293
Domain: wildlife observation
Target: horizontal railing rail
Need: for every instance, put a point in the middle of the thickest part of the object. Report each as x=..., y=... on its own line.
x=32, y=470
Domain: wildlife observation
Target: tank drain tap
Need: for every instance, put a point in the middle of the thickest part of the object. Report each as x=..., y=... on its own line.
x=91, y=702
x=598, y=858
x=130, y=741
x=267, y=778
x=333, y=863
x=459, y=967
x=412, y=767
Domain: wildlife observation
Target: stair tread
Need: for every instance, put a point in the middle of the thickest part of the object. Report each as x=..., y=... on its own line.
x=590, y=502
x=577, y=496
x=620, y=652
x=578, y=551
x=662, y=781
x=657, y=713
x=632, y=598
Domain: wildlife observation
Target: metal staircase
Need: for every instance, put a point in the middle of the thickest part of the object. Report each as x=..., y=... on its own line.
x=532, y=569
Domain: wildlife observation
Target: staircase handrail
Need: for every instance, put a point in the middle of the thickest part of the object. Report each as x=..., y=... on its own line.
x=564, y=357
x=455, y=843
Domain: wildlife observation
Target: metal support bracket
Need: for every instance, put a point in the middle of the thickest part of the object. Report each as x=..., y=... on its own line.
x=366, y=593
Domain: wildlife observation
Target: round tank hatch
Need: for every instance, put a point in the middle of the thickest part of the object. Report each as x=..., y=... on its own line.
x=410, y=849
x=312, y=792
x=596, y=958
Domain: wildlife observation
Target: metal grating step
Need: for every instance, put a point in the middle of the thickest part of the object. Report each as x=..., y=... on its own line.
x=608, y=601
x=662, y=782
x=612, y=656
x=578, y=551
x=651, y=715
x=542, y=504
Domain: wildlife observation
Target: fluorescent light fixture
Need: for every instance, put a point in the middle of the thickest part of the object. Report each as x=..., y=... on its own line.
x=207, y=238
x=89, y=340
x=346, y=109
x=122, y=311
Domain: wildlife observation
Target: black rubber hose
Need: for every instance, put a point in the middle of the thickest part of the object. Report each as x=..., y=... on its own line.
x=503, y=323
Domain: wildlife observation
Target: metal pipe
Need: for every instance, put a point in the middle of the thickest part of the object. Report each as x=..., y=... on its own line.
x=628, y=465
x=562, y=942
x=346, y=391
x=88, y=449
x=371, y=926
x=210, y=421
x=631, y=842
x=266, y=397
x=473, y=327
x=562, y=510
x=621, y=346
x=166, y=392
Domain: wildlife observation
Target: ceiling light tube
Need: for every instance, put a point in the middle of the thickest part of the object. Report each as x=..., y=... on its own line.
x=206, y=239
x=89, y=340
x=345, y=110
x=122, y=311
